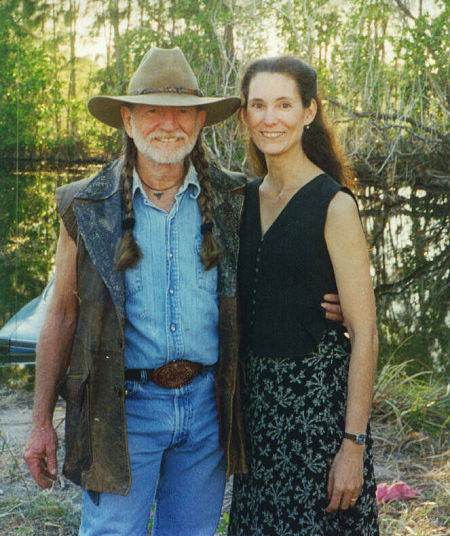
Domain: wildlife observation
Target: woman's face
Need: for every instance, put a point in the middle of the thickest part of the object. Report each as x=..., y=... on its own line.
x=275, y=115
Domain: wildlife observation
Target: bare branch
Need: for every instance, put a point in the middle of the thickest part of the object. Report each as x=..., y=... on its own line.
x=441, y=261
x=405, y=10
x=378, y=115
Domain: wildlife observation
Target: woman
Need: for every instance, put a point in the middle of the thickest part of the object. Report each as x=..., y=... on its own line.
x=306, y=395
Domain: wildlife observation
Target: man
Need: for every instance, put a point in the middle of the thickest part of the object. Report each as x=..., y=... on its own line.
x=143, y=317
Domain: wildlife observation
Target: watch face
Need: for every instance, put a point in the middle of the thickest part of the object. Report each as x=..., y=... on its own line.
x=360, y=439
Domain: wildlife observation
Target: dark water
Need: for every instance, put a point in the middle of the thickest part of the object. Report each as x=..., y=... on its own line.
x=406, y=229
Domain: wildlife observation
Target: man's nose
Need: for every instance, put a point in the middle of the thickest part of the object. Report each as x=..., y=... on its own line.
x=168, y=119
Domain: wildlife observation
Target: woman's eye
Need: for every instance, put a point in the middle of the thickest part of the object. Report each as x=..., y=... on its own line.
x=286, y=105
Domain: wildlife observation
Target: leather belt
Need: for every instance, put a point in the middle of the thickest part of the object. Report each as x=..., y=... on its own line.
x=172, y=375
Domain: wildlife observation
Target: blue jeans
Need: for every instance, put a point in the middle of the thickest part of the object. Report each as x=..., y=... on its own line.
x=176, y=463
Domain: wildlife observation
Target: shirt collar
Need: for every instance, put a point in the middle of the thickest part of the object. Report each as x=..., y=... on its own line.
x=191, y=179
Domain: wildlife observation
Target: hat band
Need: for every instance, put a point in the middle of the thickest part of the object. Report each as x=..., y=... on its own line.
x=179, y=90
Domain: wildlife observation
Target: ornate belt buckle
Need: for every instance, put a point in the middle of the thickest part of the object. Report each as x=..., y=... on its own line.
x=176, y=374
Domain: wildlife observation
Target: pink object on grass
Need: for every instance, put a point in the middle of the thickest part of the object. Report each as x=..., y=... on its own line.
x=397, y=491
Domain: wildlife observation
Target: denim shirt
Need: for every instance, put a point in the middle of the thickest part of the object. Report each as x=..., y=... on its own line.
x=171, y=302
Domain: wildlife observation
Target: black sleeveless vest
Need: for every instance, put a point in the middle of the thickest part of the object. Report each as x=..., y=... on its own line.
x=284, y=275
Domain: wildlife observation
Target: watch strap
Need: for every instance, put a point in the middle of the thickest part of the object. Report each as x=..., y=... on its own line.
x=357, y=438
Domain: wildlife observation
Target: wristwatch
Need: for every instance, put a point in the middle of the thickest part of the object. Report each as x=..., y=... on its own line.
x=357, y=438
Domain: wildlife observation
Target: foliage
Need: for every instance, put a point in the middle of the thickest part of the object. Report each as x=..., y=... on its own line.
x=417, y=402
x=30, y=226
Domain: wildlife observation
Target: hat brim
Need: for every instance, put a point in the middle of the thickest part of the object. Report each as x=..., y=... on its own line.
x=107, y=109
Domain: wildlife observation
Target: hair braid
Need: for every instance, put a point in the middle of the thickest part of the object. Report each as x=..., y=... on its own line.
x=129, y=251
x=210, y=250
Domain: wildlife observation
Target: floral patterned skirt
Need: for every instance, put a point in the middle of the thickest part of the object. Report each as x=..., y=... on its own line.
x=294, y=417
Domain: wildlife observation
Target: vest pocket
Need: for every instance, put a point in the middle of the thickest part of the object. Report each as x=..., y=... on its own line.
x=78, y=444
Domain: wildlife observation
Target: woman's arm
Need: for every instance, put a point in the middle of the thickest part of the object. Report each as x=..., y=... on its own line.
x=348, y=252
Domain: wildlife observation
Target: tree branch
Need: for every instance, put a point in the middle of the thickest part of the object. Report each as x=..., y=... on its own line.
x=405, y=10
x=377, y=115
x=426, y=268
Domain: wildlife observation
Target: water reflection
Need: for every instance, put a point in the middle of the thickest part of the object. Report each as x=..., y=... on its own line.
x=409, y=247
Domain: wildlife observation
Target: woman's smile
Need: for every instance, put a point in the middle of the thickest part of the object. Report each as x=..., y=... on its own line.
x=271, y=134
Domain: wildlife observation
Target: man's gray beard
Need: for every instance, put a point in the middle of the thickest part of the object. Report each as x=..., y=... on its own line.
x=161, y=156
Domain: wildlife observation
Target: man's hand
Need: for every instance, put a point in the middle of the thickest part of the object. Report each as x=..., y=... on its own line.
x=333, y=308
x=346, y=477
x=40, y=455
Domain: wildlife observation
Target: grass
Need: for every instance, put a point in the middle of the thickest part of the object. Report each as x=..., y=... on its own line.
x=410, y=430
x=41, y=514
x=410, y=426
x=411, y=402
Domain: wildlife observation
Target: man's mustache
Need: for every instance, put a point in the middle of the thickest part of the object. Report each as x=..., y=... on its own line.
x=165, y=134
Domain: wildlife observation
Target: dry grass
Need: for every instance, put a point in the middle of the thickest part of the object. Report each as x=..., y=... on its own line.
x=24, y=509
x=423, y=463
x=410, y=429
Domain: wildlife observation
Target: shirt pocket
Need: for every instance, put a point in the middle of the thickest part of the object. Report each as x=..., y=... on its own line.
x=133, y=279
x=206, y=280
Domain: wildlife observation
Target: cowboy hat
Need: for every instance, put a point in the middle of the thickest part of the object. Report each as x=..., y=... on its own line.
x=163, y=78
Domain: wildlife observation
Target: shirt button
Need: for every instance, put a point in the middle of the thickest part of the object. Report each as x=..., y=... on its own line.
x=171, y=291
x=173, y=327
x=256, y=269
x=170, y=255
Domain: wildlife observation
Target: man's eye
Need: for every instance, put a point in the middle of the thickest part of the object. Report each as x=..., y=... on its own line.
x=286, y=105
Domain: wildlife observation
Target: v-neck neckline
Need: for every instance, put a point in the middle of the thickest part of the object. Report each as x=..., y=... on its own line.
x=262, y=235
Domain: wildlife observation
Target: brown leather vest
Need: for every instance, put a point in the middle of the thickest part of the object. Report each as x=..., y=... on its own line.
x=96, y=441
